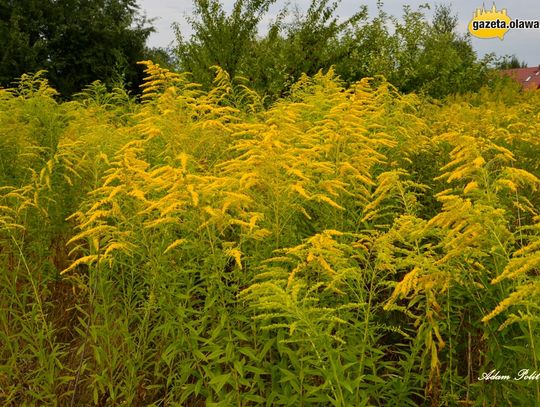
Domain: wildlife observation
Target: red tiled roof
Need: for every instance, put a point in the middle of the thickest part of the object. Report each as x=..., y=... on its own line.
x=528, y=77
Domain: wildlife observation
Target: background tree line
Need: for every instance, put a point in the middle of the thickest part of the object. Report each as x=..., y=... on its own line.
x=79, y=41
x=76, y=41
x=413, y=53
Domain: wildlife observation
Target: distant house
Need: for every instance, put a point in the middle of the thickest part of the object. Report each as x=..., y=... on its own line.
x=529, y=78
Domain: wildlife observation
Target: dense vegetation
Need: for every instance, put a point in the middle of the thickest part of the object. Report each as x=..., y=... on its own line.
x=413, y=52
x=346, y=246
x=76, y=41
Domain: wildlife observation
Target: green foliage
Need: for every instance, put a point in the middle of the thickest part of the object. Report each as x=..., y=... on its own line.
x=417, y=55
x=218, y=38
x=77, y=42
x=313, y=40
x=422, y=56
x=509, y=62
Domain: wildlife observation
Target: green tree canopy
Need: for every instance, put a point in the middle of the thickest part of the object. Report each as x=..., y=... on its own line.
x=76, y=41
x=219, y=38
x=412, y=52
x=510, y=62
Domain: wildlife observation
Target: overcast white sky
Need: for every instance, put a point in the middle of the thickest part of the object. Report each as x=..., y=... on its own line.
x=525, y=44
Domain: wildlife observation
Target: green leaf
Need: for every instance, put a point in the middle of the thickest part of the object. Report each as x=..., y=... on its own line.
x=219, y=381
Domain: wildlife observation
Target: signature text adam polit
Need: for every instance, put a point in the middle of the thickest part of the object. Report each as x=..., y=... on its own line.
x=523, y=374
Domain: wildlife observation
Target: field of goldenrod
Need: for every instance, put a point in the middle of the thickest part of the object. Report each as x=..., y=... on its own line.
x=344, y=247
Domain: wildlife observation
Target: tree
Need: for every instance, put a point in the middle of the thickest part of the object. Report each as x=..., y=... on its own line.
x=21, y=34
x=371, y=50
x=447, y=62
x=509, y=62
x=76, y=41
x=312, y=41
x=416, y=55
x=218, y=38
